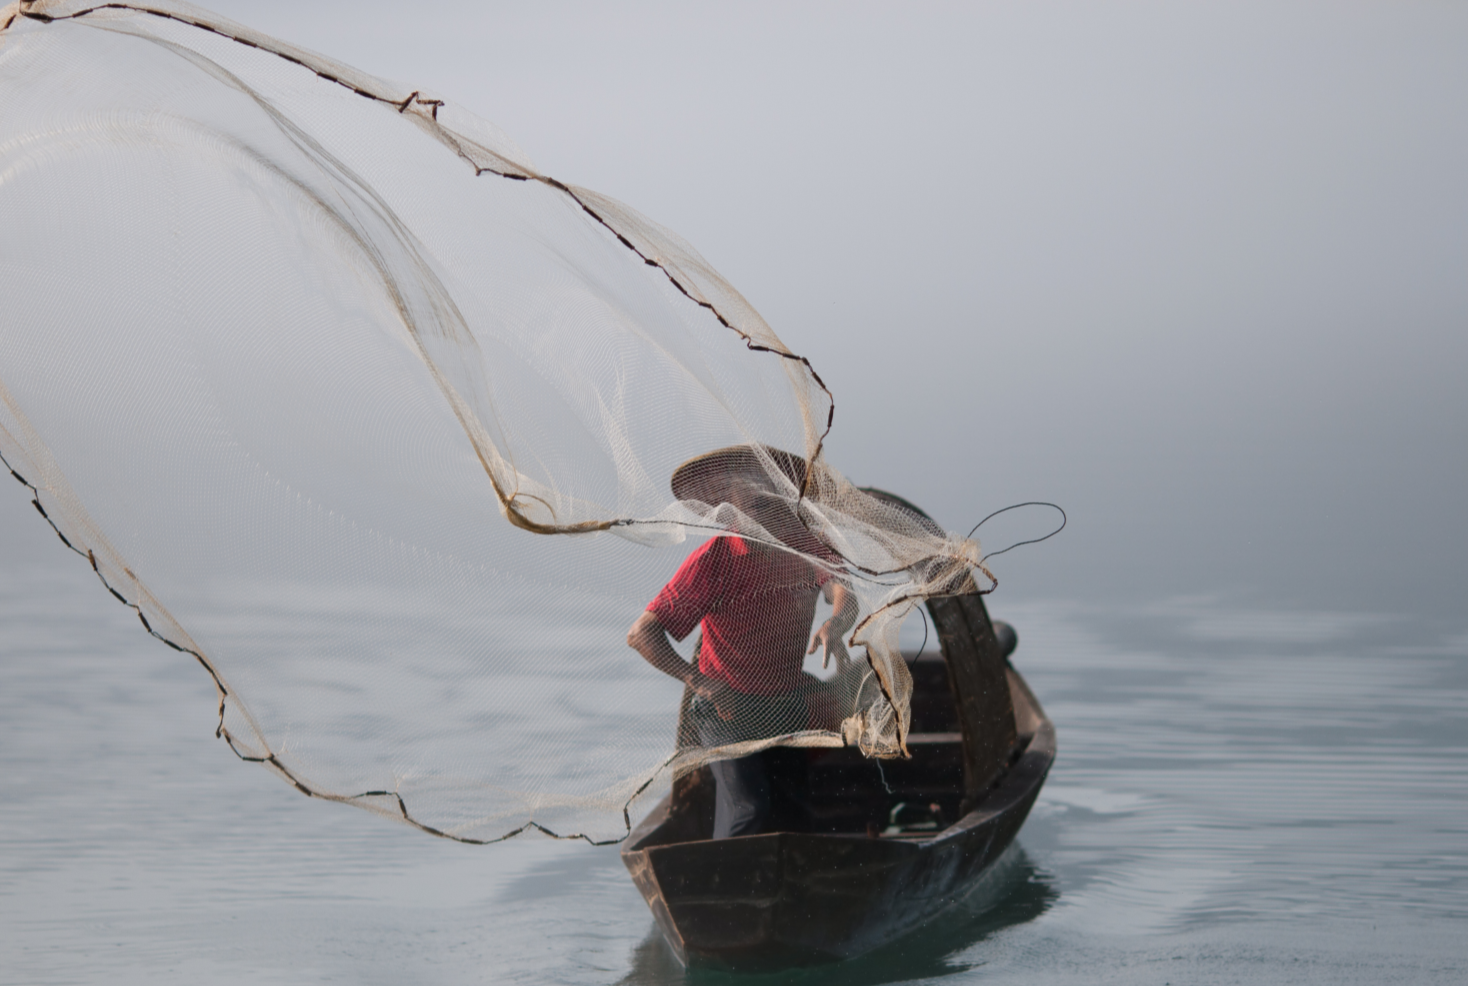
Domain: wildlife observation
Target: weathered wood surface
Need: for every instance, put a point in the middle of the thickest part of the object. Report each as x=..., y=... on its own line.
x=977, y=674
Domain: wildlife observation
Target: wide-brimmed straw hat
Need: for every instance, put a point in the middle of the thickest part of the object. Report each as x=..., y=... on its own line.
x=712, y=477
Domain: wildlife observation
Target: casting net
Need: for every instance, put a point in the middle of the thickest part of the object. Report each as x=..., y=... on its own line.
x=397, y=436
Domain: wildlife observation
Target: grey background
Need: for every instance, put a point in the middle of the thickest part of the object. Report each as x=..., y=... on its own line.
x=1195, y=271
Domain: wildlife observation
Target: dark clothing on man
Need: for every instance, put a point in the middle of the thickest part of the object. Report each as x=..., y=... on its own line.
x=751, y=791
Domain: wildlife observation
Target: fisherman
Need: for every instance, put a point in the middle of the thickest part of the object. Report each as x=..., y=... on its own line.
x=754, y=599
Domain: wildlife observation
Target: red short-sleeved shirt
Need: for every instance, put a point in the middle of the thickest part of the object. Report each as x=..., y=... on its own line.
x=755, y=605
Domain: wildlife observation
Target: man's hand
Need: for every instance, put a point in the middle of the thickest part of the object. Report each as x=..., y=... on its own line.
x=649, y=639
x=843, y=604
x=829, y=637
x=717, y=691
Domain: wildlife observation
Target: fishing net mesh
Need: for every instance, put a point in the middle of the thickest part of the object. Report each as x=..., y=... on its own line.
x=397, y=436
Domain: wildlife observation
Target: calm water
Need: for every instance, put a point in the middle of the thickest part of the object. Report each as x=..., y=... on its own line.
x=1241, y=796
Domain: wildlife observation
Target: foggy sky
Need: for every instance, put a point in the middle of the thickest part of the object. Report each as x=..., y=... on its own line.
x=1195, y=271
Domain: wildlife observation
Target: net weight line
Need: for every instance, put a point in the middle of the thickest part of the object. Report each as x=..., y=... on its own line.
x=272, y=761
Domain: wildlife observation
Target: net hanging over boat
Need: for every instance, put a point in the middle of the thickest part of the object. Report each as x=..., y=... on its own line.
x=397, y=436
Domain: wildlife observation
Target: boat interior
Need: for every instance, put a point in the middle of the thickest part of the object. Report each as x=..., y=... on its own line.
x=840, y=791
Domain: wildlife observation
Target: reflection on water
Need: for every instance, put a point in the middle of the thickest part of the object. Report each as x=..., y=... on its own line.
x=1241, y=795
x=1013, y=892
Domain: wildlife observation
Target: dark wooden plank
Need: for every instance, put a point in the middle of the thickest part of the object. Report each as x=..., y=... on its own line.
x=978, y=675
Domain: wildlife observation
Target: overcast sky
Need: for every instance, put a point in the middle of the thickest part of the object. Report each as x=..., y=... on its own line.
x=1197, y=271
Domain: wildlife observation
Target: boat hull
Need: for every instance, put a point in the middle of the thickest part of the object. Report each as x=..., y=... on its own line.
x=784, y=899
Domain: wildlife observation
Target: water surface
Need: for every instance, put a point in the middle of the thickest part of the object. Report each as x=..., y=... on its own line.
x=1241, y=796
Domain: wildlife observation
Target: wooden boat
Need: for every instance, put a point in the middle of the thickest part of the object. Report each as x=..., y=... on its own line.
x=874, y=854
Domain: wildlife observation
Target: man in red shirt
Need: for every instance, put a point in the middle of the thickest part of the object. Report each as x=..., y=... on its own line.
x=755, y=601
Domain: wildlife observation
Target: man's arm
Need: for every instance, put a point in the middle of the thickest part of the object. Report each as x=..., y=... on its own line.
x=649, y=639
x=843, y=615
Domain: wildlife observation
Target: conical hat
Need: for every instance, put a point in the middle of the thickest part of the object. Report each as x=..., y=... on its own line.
x=712, y=477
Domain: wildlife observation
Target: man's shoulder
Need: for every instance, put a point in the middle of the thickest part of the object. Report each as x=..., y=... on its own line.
x=731, y=553
x=713, y=552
